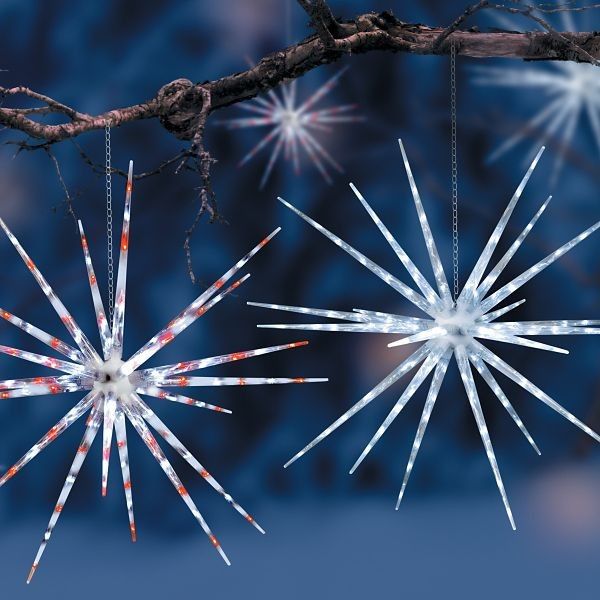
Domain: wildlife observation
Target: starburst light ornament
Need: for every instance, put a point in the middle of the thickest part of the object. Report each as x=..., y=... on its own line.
x=114, y=386
x=571, y=90
x=448, y=328
x=293, y=125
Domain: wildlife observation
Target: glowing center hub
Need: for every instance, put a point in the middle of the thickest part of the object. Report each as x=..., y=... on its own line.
x=290, y=120
x=458, y=324
x=109, y=378
x=582, y=82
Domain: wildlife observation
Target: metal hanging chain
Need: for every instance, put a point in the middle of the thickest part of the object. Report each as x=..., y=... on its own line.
x=109, y=225
x=454, y=166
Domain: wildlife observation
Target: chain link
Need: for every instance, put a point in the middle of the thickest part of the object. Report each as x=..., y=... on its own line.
x=454, y=167
x=109, y=225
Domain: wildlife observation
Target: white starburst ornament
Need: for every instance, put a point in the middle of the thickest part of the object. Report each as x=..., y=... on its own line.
x=449, y=328
x=572, y=91
x=293, y=125
x=114, y=386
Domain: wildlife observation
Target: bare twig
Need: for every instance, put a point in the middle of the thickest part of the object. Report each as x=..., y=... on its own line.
x=182, y=107
x=565, y=7
x=68, y=198
x=322, y=10
x=469, y=11
x=100, y=169
x=51, y=104
x=321, y=19
x=528, y=11
x=202, y=163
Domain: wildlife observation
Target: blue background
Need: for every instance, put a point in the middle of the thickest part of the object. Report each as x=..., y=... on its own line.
x=328, y=533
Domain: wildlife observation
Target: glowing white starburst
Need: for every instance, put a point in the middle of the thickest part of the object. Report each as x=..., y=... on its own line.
x=115, y=385
x=449, y=328
x=571, y=93
x=292, y=125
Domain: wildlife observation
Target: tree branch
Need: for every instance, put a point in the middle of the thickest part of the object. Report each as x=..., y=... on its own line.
x=321, y=19
x=203, y=162
x=526, y=10
x=178, y=104
x=100, y=168
x=68, y=198
x=183, y=107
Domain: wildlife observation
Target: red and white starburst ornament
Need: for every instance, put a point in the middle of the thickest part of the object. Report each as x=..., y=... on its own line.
x=114, y=386
x=293, y=126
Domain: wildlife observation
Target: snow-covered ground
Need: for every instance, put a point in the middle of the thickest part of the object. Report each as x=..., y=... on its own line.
x=442, y=547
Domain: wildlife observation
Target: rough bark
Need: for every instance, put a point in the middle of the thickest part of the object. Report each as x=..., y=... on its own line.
x=178, y=104
x=183, y=107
